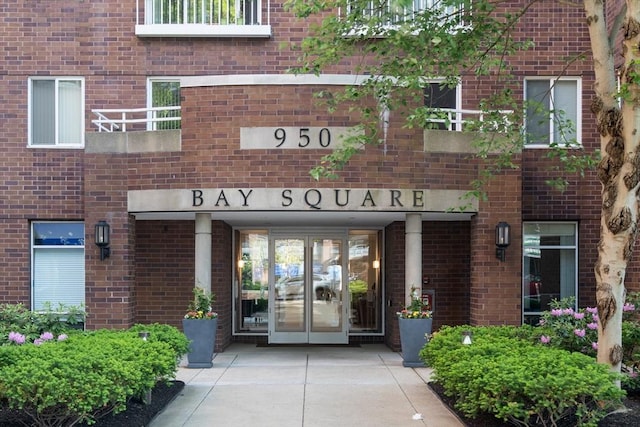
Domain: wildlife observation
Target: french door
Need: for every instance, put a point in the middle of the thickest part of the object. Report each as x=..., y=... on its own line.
x=307, y=292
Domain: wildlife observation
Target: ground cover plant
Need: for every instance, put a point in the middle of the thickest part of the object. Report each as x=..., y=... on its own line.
x=73, y=377
x=506, y=374
x=542, y=375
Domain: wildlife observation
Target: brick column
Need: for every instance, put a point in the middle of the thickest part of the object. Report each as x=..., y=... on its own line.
x=496, y=286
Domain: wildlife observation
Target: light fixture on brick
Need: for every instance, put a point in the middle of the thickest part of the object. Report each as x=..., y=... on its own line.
x=503, y=239
x=102, y=239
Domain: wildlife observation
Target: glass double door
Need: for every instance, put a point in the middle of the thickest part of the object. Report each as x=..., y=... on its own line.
x=307, y=292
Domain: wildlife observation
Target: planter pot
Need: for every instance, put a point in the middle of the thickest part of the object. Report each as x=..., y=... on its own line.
x=202, y=334
x=412, y=338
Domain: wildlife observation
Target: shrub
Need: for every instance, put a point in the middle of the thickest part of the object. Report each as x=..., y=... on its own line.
x=84, y=377
x=30, y=324
x=167, y=334
x=569, y=329
x=518, y=381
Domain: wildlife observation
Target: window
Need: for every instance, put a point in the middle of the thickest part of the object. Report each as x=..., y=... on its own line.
x=438, y=96
x=553, y=111
x=550, y=262
x=163, y=93
x=56, y=111
x=57, y=264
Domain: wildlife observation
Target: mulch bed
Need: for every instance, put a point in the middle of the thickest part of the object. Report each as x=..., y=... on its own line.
x=629, y=418
x=137, y=413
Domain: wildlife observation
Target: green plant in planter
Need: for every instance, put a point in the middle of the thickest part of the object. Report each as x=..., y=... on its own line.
x=200, y=307
x=416, y=309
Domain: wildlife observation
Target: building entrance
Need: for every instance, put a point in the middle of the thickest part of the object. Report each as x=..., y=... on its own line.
x=308, y=286
x=307, y=290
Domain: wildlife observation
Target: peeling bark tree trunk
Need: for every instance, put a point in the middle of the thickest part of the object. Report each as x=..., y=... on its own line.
x=618, y=170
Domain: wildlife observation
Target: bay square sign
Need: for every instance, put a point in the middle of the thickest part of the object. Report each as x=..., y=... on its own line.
x=296, y=199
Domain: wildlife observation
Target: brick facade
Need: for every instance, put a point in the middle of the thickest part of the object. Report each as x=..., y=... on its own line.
x=149, y=276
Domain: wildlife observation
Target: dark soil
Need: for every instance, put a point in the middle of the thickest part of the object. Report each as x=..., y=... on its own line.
x=628, y=418
x=137, y=413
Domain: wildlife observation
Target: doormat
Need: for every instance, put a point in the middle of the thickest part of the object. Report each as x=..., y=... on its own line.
x=352, y=345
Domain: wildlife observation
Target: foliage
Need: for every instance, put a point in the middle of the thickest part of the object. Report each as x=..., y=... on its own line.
x=200, y=307
x=358, y=287
x=31, y=324
x=82, y=378
x=503, y=373
x=164, y=333
x=570, y=329
x=416, y=309
x=386, y=42
x=576, y=330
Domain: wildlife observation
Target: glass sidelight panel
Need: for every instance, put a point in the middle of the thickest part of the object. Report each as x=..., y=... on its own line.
x=252, y=274
x=290, y=285
x=326, y=306
x=365, y=291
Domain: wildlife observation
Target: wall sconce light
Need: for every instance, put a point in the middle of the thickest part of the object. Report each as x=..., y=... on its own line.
x=241, y=264
x=102, y=239
x=376, y=264
x=466, y=338
x=503, y=239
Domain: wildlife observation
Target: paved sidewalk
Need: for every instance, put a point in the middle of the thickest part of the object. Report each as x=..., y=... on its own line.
x=315, y=386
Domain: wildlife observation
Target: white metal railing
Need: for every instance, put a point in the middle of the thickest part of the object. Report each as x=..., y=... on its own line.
x=454, y=119
x=203, y=12
x=397, y=14
x=157, y=118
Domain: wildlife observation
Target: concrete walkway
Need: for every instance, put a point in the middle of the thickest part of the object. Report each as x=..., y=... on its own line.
x=315, y=386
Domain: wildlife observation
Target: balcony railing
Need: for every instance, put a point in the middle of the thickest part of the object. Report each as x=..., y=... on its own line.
x=203, y=18
x=118, y=120
x=456, y=119
x=399, y=14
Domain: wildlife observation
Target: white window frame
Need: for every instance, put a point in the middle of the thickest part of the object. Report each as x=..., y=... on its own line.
x=552, y=121
x=56, y=137
x=152, y=125
x=574, y=247
x=456, y=117
x=71, y=300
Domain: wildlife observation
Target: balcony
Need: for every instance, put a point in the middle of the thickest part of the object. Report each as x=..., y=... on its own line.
x=135, y=130
x=443, y=133
x=203, y=18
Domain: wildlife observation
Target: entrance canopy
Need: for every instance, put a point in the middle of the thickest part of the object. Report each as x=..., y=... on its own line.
x=300, y=206
x=297, y=219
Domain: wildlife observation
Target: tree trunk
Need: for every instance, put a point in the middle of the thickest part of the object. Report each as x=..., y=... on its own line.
x=618, y=172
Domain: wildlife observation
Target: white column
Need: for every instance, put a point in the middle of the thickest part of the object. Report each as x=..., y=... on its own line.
x=203, y=252
x=413, y=254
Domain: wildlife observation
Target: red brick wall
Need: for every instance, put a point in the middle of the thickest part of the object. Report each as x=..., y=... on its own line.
x=445, y=252
x=165, y=273
x=496, y=286
x=96, y=40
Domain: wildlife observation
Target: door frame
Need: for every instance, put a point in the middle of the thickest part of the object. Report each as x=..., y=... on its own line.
x=308, y=336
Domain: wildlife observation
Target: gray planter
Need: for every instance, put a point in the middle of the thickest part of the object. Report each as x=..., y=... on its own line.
x=202, y=334
x=412, y=338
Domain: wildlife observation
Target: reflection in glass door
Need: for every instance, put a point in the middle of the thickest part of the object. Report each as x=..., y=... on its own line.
x=308, y=292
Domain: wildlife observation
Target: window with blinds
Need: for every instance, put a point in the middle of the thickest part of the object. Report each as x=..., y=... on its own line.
x=56, y=111
x=58, y=274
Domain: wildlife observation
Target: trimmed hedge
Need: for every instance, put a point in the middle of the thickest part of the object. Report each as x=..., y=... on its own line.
x=503, y=373
x=84, y=377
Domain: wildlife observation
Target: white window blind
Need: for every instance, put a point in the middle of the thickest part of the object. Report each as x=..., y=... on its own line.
x=58, y=276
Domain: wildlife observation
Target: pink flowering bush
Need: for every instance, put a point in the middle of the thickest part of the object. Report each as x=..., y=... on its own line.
x=565, y=327
x=20, y=325
x=631, y=342
x=577, y=330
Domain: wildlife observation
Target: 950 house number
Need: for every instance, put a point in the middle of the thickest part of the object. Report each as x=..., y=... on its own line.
x=292, y=137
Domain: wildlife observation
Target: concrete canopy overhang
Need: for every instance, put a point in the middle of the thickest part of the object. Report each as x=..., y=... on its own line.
x=304, y=218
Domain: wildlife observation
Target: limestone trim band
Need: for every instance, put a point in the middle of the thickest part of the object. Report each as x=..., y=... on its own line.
x=298, y=199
